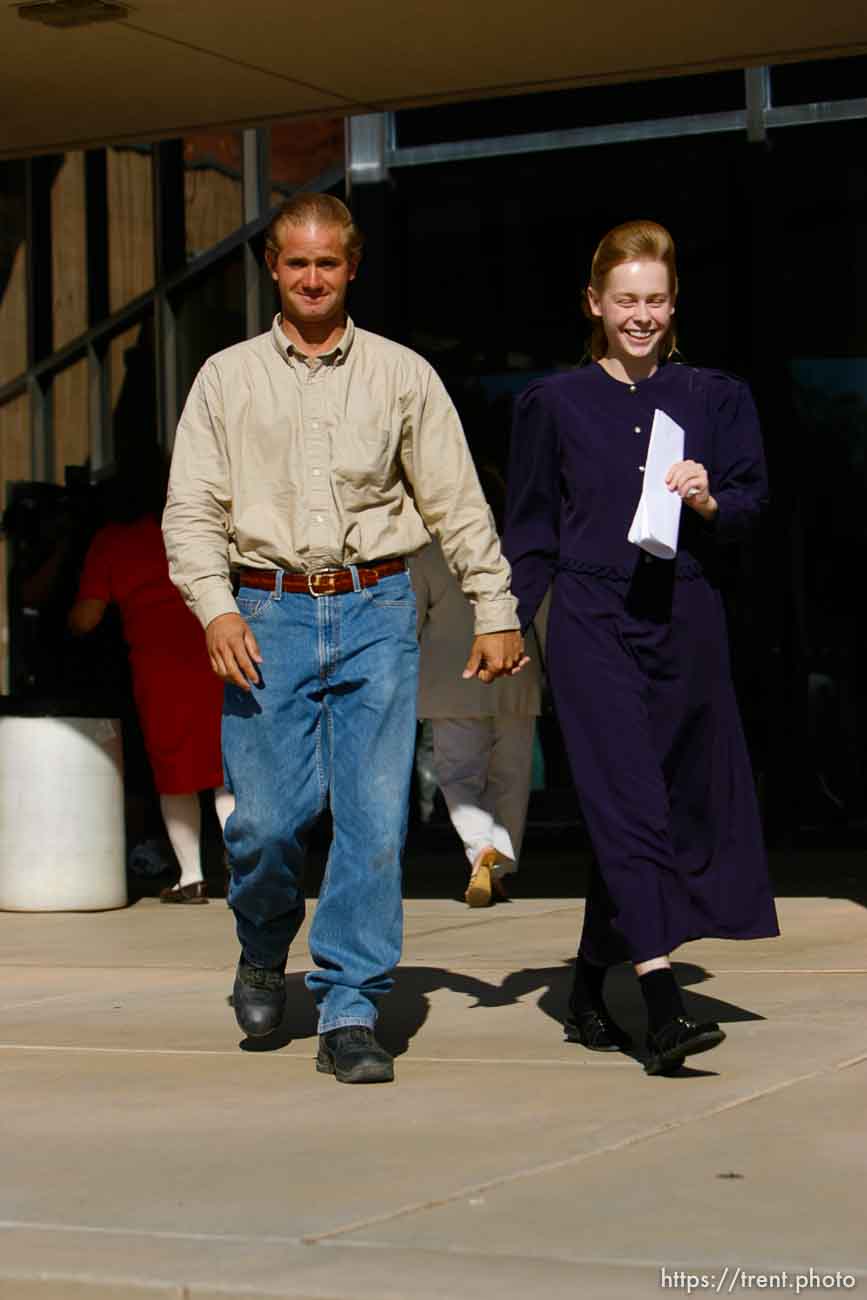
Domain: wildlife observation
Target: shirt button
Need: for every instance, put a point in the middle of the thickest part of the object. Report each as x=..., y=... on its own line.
x=317, y=472
x=638, y=428
x=319, y=519
x=647, y=558
x=315, y=424
x=632, y=388
x=641, y=468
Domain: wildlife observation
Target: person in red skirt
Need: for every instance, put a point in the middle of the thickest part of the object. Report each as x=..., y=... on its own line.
x=178, y=698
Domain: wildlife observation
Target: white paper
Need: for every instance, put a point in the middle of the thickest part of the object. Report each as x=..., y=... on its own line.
x=657, y=518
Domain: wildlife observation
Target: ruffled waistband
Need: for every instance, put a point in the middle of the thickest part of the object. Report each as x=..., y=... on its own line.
x=686, y=568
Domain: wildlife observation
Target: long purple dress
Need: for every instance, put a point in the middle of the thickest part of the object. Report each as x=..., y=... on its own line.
x=637, y=652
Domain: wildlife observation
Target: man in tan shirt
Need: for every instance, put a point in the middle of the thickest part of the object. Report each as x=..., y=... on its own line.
x=313, y=459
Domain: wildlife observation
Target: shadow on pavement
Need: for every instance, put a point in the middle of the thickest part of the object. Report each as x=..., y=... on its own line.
x=407, y=1007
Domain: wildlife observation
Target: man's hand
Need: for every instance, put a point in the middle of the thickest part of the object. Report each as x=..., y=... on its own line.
x=233, y=650
x=496, y=654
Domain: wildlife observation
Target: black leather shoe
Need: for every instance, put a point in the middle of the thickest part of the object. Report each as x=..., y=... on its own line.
x=597, y=1031
x=259, y=997
x=353, y=1055
x=197, y=892
x=668, y=1048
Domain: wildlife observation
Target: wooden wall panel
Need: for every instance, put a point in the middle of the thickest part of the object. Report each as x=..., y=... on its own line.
x=130, y=225
x=68, y=261
x=70, y=418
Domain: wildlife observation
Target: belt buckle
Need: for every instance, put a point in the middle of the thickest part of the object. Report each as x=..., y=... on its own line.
x=323, y=573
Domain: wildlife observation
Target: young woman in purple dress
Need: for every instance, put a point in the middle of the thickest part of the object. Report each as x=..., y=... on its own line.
x=637, y=646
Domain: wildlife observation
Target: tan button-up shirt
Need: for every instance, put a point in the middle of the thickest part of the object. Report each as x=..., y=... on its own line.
x=306, y=463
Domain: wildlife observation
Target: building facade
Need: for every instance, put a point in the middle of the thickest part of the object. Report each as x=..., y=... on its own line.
x=122, y=268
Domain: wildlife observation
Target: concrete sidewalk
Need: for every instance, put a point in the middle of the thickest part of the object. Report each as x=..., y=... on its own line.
x=147, y=1152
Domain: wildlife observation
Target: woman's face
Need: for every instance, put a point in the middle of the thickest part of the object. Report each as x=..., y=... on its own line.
x=635, y=306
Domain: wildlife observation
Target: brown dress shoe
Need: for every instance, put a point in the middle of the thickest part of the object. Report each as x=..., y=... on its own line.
x=195, y=893
x=481, y=884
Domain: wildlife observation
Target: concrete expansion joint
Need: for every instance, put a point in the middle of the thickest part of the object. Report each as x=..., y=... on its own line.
x=582, y=1157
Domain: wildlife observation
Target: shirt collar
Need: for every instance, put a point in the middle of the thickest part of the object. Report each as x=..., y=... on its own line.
x=288, y=350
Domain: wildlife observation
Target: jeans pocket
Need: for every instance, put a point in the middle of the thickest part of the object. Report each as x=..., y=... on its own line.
x=393, y=592
x=253, y=607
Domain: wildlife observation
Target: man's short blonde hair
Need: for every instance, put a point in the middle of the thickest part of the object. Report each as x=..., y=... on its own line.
x=326, y=210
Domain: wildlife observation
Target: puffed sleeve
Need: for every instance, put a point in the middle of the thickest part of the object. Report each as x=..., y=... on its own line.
x=738, y=478
x=532, y=534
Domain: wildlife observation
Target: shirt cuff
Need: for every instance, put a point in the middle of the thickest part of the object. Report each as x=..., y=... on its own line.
x=496, y=616
x=211, y=604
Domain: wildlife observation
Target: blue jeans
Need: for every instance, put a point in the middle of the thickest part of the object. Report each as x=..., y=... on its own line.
x=332, y=721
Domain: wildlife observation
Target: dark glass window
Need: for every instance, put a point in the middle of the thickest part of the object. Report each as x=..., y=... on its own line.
x=523, y=230
x=567, y=109
x=210, y=316
x=493, y=255
x=13, y=271
x=15, y=466
x=818, y=82
x=70, y=418
x=131, y=378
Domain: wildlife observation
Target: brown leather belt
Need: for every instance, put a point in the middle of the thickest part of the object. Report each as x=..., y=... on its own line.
x=327, y=582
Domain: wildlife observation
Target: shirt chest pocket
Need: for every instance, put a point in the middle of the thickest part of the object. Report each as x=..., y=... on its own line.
x=365, y=453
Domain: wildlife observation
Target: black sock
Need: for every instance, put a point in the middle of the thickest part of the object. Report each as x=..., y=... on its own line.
x=661, y=996
x=587, y=988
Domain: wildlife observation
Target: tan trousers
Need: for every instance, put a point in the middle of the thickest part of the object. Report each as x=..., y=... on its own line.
x=483, y=767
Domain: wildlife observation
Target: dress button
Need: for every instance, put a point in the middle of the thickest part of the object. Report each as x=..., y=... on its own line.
x=319, y=519
x=638, y=428
x=632, y=388
x=641, y=469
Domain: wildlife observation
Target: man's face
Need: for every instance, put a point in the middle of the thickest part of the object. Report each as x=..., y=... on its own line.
x=312, y=274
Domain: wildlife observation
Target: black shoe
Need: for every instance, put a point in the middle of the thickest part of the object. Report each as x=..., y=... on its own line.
x=597, y=1031
x=197, y=892
x=667, y=1049
x=353, y=1055
x=259, y=997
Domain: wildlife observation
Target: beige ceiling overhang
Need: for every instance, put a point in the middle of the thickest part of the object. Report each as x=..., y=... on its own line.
x=178, y=65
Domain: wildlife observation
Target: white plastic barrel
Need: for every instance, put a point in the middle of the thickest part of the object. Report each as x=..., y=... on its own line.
x=62, y=843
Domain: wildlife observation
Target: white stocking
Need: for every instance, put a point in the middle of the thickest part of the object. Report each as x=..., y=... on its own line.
x=224, y=805
x=183, y=818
